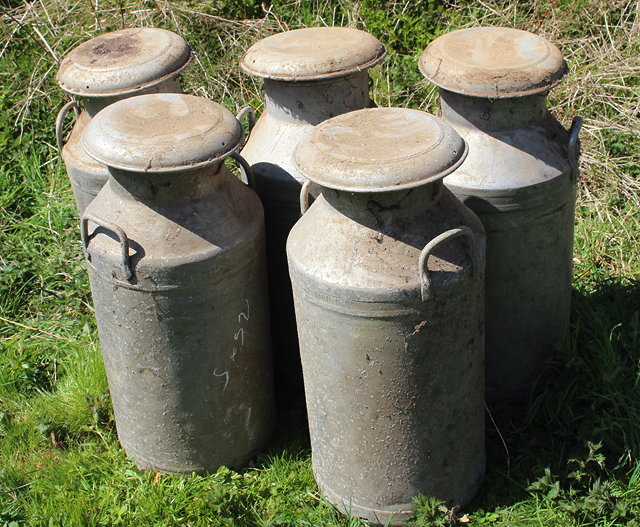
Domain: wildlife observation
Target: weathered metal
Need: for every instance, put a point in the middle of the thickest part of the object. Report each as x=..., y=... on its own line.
x=520, y=179
x=309, y=75
x=175, y=250
x=387, y=272
x=106, y=69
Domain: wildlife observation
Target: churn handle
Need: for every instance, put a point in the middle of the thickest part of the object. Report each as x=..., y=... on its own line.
x=127, y=271
x=250, y=113
x=60, y=121
x=245, y=168
x=304, y=196
x=573, y=148
x=425, y=281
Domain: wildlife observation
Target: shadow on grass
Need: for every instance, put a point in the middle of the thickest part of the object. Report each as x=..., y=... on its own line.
x=577, y=434
x=588, y=397
x=291, y=434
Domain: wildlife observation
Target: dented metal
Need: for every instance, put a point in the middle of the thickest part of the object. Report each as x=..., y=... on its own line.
x=387, y=271
x=520, y=179
x=309, y=76
x=103, y=70
x=175, y=250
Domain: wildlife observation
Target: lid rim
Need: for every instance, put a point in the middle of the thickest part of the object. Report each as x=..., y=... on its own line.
x=316, y=77
x=324, y=52
x=502, y=95
x=169, y=170
x=123, y=62
x=405, y=186
x=455, y=72
x=121, y=139
x=380, y=150
x=126, y=91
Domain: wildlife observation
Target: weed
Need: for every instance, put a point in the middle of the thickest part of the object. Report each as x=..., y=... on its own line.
x=569, y=457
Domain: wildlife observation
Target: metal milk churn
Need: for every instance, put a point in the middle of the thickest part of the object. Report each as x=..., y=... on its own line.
x=387, y=272
x=103, y=70
x=310, y=75
x=520, y=179
x=175, y=250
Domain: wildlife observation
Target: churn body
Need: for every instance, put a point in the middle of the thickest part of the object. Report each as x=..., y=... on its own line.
x=520, y=179
x=387, y=273
x=175, y=245
x=309, y=76
x=103, y=70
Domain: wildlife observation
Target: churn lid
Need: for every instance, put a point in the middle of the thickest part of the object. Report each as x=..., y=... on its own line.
x=162, y=132
x=493, y=62
x=313, y=53
x=122, y=62
x=380, y=149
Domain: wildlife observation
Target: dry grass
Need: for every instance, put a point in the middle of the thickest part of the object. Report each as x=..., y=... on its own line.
x=49, y=25
x=601, y=41
x=90, y=481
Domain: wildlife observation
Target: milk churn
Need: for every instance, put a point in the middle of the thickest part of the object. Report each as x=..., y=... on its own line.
x=103, y=70
x=387, y=272
x=309, y=75
x=520, y=179
x=175, y=250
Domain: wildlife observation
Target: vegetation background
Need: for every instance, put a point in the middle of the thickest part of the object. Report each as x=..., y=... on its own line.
x=569, y=457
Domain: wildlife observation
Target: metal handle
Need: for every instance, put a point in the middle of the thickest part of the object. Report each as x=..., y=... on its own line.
x=573, y=148
x=250, y=113
x=425, y=281
x=127, y=271
x=245, y=168
x=304, y=196
x=60, y=121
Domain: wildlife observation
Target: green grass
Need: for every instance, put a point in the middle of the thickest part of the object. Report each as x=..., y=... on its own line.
x=567, y=458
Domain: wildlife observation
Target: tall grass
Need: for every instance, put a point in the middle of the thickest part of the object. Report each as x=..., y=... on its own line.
x=569, y=457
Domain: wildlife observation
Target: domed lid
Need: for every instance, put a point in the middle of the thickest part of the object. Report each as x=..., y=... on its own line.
x=122, y=62
x=162, y=132
x=312, y=54
x=493, y=62
x=380, y=149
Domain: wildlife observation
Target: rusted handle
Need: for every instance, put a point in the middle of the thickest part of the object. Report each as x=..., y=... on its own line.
x=245, y=169
x=125, y=263
x=425, y=282
x=304, y=197
x=573, y=148
x=250, y=113
x=60, y=121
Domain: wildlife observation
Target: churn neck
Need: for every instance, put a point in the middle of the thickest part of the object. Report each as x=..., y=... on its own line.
x=378, y=208
x=93, y=105
x=166, y=187
x=312, y=102
x=492, y=114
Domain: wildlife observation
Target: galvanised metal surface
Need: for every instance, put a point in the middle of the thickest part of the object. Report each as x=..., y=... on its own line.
x=520, y=179
x=102, y=71
x=309, y=76
x=175, y=249
x=387, y=272
x=495, y=62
